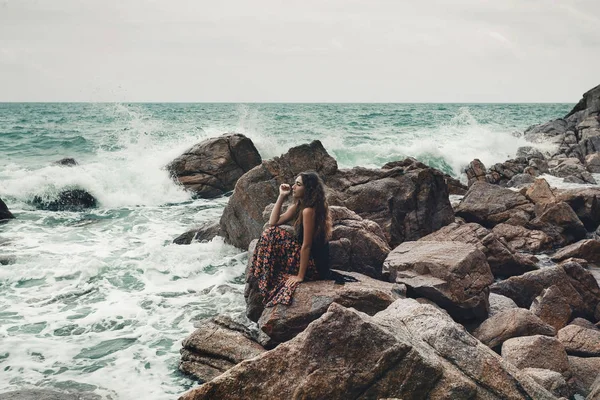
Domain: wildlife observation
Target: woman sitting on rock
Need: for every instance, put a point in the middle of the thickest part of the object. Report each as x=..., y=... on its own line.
x=281, y=259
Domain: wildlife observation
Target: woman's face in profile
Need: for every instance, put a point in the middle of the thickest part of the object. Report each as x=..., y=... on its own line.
x=298, y=188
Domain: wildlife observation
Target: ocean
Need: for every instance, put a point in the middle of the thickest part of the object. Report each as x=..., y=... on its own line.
x=100, y=300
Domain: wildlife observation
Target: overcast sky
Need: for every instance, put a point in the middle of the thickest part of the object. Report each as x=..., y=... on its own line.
x=299, y=51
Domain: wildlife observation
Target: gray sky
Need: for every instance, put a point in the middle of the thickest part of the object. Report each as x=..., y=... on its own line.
x=299, y=51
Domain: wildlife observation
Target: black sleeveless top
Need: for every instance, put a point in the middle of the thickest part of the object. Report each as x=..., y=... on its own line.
x=319, y=251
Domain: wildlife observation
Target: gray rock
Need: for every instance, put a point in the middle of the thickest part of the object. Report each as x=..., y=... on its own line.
x=585, y=371
x=499, y=303
x=592, y=163
x=552, y=381
x=206, y=232
x=520, y=180
x=530, y=152
x=595, y=390
x=66, y=162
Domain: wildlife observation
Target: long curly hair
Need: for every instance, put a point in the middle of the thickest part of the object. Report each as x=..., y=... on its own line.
x=314, y=196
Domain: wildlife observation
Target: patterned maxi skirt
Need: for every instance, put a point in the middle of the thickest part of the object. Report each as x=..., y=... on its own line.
x=277, y=255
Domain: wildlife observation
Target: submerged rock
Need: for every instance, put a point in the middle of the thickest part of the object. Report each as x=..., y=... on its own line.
x=206, y=232
x=213, y=166
x=66, y=162
x=5, y=214
x=67, y=200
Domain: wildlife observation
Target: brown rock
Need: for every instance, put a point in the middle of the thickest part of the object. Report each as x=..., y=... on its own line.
x=475, y=172
x=520, y=238
x=536, y=352
x=509, y=324
x=357, y=244
x=576, y=284
x=595, y=390
x=311, y=300
x=586, y=204
x=454, y=275
x=584, y=323
x=213, y=166
x=503, y=261
x=217, y=345
x=489, y=205
x=592, y=163
x=552, y=308
x=585, y=371
x=409, y=351
x=588, y=250
x=540, y=193
x=579, y=341
x=560, y=222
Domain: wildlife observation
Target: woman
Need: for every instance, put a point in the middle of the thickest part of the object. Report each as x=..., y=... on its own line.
x=281, y=259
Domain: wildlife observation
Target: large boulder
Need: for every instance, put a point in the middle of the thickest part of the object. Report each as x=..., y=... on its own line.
x=580, y=341
x=588, y=128
x=5, y=214
x=585, y=370
x=217, y=345
x=311, y=300
x=503, y=260
x=406, y=198
x=499, y=303
x=589, y=104
x=560, y=223
x=588, y=249
x=356, y=244
x=586, y=204
x=475, y=172
x=521, y=239
x=537, y=351
x=454, y=275
x=552, y=308
x=489, y=205
x=552, y=381
x=408, y=351
x=509, y=324
x=577, y=285
x=213, y=166
x=66, y=200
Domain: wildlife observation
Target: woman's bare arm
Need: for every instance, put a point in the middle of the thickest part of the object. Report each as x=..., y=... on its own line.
x=276, y=219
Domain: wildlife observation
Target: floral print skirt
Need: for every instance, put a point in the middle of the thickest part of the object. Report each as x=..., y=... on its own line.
x=277, y=255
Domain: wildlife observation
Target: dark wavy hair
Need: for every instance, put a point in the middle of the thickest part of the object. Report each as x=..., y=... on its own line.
x=314, y=196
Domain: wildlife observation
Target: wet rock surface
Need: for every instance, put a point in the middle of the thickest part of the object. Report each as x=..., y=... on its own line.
x=67, y=200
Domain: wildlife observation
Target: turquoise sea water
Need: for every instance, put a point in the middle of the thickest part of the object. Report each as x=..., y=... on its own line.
x=100, y=300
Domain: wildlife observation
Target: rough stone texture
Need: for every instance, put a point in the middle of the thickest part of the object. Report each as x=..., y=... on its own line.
x=589, y=127
x=585, y=371
x=409, y=351
x=502, y=173
x=4, y=212
x=453, y=275
x=213, y=166
x=552, y=308
x=406, y=198
x=560, y=223
x=67, y=200
x=573, y=169
x=530, y=152
x=521, y=180
x=548, y=132
x=489, y=205
x=205, y=232
x=475, y=172
x=47, y=394
x=356, y=244
x=536, y=351
x=584, y=323
x=592, y=163
x=499, y=303
x=588, y=105
x=217, y=345
x=576, y=284
x=588, y=250
x=311, y=300
x=586, y=204
x=509, y=324
x=503, y=261
x=552, y=381
x=595, y=389
x=580, y=341
x=455, y=186
x=540, y=193
x=519, y=238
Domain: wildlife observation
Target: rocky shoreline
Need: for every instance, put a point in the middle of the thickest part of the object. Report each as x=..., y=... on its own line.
x=449, y=303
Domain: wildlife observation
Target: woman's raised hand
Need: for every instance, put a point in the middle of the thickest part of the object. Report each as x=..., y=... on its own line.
x=284, y=189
